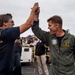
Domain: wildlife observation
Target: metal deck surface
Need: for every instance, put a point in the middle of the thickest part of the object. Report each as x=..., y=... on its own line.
x=30, y=68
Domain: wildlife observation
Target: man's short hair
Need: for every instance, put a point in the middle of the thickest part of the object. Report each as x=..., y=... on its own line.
x=4, y=18
x=55, y=19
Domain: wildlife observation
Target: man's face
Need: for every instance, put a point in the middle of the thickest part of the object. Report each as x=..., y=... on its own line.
x=10, y=23
x=53, y=27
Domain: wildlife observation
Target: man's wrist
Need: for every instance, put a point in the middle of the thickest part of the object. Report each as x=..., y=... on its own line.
x=36, y=20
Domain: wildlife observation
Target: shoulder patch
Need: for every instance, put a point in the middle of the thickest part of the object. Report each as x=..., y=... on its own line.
x=54, y=41
x=1, y=41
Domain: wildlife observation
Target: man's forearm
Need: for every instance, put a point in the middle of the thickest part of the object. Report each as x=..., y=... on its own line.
x=30, y=20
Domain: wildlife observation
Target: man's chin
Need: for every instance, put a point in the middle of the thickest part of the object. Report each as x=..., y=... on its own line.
x=52, y=32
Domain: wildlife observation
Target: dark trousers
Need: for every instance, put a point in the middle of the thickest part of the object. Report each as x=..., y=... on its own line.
x=17, y=70
x=17, y=65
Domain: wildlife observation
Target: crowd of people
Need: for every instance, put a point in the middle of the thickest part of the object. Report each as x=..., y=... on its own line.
x=60, y=42
x=39, y=52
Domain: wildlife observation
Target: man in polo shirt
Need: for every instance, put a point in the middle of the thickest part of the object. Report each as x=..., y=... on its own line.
x=8, y=34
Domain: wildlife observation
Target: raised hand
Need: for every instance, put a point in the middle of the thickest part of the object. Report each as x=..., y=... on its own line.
x=36, y=11
x=35, y=7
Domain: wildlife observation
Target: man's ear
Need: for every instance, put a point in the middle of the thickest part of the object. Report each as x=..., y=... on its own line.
x=4, y=24
x=57, y=25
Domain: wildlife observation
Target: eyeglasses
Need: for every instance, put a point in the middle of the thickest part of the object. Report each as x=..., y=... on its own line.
x=11, y=21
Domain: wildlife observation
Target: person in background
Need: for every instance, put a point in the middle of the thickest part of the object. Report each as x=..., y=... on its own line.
x=60, y=42
x=17, y=57
x=30, y=40
x=41, y=58
x=8, y=34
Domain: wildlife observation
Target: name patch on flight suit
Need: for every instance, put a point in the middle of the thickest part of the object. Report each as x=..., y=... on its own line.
x=65, y=44
x=54, y=41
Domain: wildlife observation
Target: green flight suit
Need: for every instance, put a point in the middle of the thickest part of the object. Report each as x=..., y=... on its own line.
x=62, y=58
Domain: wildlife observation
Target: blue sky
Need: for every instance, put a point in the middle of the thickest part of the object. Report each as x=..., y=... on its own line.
x=20, y=9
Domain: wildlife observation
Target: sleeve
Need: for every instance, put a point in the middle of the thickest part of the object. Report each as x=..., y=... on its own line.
x=74, y=47
x=10, y=34
x=41, y=34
